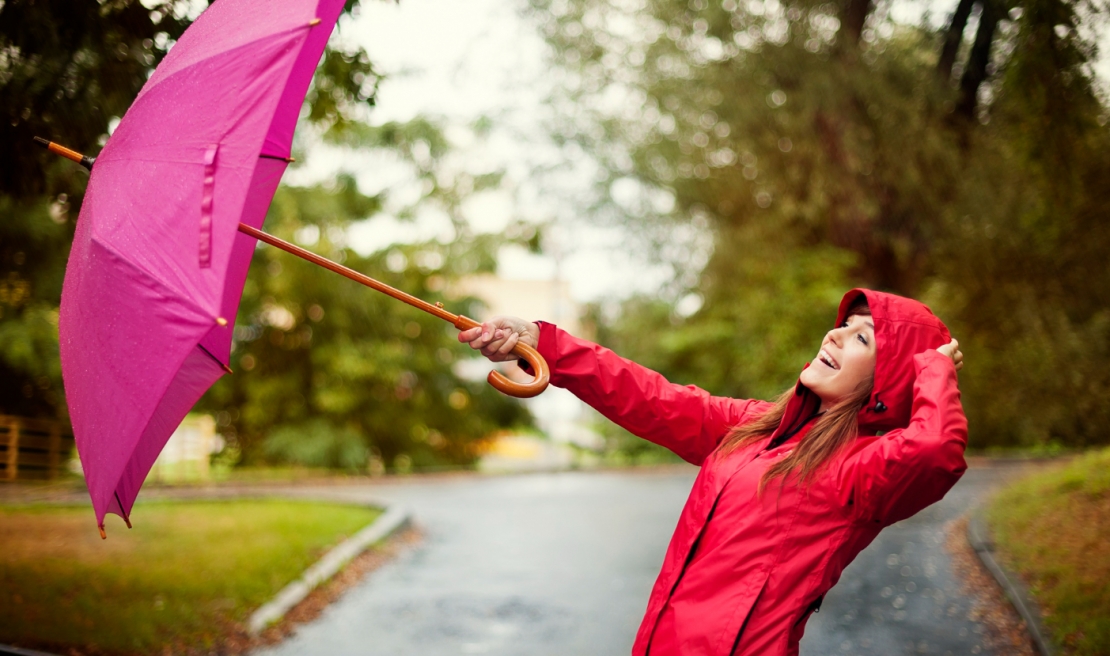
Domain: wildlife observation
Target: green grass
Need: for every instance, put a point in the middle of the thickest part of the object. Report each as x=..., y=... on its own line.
x=183, y=578
x=1054, y=528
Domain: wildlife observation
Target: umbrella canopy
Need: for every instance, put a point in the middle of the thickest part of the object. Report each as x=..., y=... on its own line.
x=158, y=263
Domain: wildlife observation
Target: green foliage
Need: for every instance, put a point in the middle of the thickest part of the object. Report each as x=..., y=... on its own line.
x=751, y=336
x=813, y=157
x=1050, y=526
x=317, y=443
x=67, y=69
x=343, y=82
x=1019, y=266
x=623, y=448
x=330, y=373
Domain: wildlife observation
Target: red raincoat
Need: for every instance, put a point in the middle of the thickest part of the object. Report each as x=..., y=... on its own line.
x=743, y=572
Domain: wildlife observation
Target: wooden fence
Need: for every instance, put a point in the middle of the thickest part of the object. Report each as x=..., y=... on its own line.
x=33, y=449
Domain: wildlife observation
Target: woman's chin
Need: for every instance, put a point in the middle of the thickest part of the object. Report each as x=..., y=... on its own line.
x=812, y=379
x=819, y=385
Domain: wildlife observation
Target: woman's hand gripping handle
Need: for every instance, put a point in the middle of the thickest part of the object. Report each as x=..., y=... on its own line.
x=507, y=338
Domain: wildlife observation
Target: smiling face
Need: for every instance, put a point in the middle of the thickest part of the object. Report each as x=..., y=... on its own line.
x=846, y=359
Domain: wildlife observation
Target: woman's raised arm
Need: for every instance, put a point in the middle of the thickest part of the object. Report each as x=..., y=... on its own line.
x=685, y=419
x=892, y=477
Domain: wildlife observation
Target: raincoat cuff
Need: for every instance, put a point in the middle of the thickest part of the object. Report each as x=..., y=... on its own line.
x=546, y=346
x=932, y=357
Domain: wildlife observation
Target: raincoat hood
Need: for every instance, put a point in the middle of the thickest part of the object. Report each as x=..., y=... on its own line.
x=903, y=328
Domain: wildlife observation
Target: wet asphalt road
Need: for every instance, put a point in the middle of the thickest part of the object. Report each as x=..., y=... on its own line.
x=557, y=564
x=899, y=596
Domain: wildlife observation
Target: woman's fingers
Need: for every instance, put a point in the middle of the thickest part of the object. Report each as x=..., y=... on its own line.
x=480, y=336
x=497, y=338
x=489, y=342
x=952, y=350
x=491, y=347
x=470, y=334
x=510, y=342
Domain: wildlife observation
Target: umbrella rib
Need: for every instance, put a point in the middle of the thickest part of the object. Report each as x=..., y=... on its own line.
x=126, y=519
x=209, y=354
x=181, y=295
x=243, y=46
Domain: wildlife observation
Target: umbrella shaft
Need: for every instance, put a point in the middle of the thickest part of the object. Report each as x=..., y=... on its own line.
x=67, y=153
x=459, y=321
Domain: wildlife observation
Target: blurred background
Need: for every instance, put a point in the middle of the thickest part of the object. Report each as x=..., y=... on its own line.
x=693, y=183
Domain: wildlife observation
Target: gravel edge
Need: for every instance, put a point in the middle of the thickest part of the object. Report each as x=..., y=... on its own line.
x=383, y=526
x=981, y=541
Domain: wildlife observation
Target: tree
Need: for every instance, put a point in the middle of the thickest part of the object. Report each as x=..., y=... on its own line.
x=1020, y=265
x=67, y=70
x=333, y=374
x=328, y=373
x=818, y=146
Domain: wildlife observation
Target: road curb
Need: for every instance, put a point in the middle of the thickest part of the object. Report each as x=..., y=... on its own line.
x=8, y=650
x=980, y=539
x=385, y=525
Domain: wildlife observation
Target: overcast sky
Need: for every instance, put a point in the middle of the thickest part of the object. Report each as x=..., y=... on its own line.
x=459, y=61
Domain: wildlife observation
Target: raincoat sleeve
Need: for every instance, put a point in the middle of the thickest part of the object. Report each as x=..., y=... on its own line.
x=685, y=419
x=894, y=476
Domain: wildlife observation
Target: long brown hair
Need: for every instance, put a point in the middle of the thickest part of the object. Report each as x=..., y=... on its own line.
x=835, y=429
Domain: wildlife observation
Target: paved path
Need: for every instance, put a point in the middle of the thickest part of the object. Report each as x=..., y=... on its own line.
x=562, y=564
x=523, y=565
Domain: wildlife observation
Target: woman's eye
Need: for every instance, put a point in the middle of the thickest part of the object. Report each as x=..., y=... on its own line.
x=862, y=339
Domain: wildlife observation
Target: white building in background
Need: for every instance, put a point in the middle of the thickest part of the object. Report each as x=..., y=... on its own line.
x=186, y=455
x=559, y=414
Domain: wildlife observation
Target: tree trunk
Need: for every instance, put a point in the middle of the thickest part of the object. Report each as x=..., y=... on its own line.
x=853, y=16
x=952, y=38
x=979, y=59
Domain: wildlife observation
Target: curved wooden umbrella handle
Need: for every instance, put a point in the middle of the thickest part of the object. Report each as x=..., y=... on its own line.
x=523, y=390
x=530, y=355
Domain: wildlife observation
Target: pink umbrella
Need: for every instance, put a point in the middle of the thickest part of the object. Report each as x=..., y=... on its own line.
x=160, y=254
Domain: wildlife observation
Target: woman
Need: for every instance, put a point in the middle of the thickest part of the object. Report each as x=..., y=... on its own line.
x=789, y=492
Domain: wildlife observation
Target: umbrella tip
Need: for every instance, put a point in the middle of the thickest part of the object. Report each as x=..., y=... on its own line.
x=314, y=22
x=127, y=521
x=103, y=535
x=42, y=142
x=221, y=321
